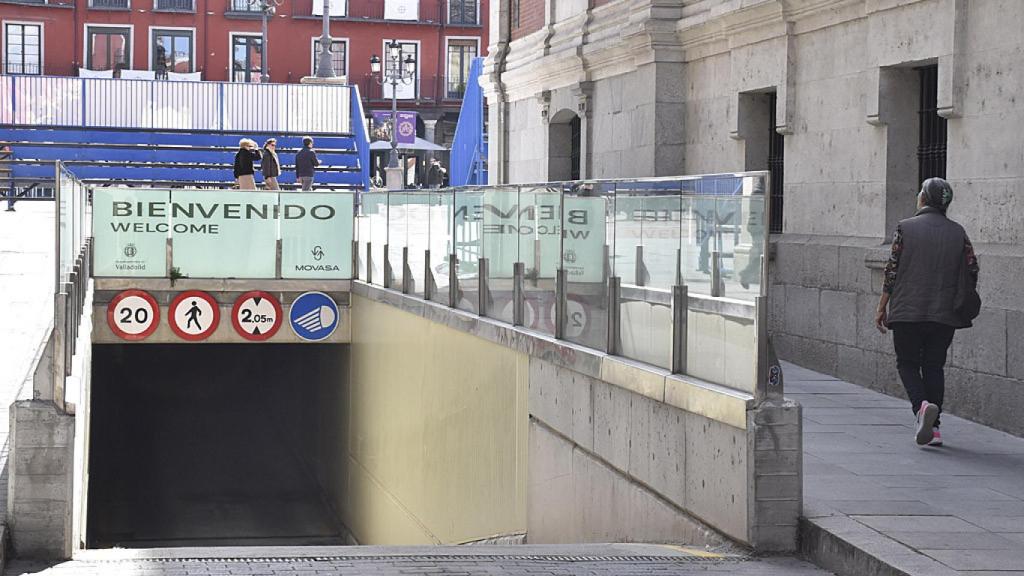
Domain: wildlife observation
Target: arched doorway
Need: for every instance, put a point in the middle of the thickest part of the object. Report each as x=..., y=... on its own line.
x=564, y=146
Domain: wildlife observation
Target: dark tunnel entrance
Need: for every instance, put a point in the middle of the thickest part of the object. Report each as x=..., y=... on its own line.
x=215, y=444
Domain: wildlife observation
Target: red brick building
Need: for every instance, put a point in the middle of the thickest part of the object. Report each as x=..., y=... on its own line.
x=221, y=40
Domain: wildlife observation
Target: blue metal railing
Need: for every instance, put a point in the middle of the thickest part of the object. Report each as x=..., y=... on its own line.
x=469, y=148
x=362, y=139
x=50, y=101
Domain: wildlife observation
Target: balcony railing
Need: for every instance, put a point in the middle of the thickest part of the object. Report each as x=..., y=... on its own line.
x=109, y=4
x=175, y=5
x=243, y=6
x=425, y=89
x=20, y=68
x=429, y=10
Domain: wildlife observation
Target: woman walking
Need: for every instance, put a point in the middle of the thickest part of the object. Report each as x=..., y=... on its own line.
x=244, y=158
x=271, y=165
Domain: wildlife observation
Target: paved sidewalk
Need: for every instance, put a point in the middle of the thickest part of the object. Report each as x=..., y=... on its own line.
x=871, y=492
x=530, y=560
x=26, y=309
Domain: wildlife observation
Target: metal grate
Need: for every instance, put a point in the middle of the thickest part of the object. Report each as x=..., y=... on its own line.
x=776, y=162
x=931, y=145
x=677, y=559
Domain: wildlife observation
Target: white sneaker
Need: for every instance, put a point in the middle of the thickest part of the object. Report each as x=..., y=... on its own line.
x=927, y=414
x=936, y=438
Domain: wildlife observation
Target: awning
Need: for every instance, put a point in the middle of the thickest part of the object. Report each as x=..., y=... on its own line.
x=419, y=144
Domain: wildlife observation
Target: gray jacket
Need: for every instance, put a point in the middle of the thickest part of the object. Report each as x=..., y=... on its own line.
x=927, y=269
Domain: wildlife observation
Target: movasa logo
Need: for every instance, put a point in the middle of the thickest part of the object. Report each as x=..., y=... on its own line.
x=318, y=254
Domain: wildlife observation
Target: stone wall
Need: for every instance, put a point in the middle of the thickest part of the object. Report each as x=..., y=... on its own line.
x=614, y=450
x=679, y=88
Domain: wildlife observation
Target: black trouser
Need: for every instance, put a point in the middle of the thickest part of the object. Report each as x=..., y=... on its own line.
x=920, y=356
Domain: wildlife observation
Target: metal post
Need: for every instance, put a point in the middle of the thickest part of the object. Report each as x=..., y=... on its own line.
x=518, y=294
x=406, y=272
x=716, y=274
x=639, y=267
x=388, y=275
x=680, y=305
x=482, y=286
x=679, y=267
x=355, y=259
x=453, y=280
x=768, y=371
x=560, y=302
x=264, y=75
x=613, y=345
x=278, y=261
x=428, y=277
x=369, y=262
x=393, y=158
x=325, y=68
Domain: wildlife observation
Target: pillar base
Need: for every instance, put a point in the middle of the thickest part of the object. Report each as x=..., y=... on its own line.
x=318, y=80
x=395, y=178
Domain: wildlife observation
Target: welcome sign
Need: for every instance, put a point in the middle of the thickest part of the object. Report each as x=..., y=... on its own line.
x=221, y=234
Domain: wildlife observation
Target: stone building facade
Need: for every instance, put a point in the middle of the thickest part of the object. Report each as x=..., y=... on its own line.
x=850, y=102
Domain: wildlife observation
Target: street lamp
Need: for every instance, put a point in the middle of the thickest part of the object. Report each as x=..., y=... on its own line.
x=325, y=68
x=267, y=8
x=396, y=71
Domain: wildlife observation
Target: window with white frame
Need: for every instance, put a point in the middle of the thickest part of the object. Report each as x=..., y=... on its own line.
x=339, y=49
x=403, y=91
x=460, y=55
x=108, y=48
x=463, y=12
x=172, y=52
x=246, y=54
x=23, y=48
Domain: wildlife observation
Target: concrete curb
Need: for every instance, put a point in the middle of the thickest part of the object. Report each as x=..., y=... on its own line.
x=846, y=547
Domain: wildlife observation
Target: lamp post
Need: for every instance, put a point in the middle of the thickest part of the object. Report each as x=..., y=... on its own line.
x=395, y=71
x=325, y=68
x=267, y=9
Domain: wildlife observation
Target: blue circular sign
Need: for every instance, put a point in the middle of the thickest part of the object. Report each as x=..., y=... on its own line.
x=314, y=316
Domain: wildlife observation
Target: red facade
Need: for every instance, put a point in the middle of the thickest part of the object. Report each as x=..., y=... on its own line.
x=202, y=35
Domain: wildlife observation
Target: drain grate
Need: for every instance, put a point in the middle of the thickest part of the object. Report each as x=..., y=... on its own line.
x=687, y=559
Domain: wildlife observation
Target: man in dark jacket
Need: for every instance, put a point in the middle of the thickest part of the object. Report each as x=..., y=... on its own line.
x=435, y=174
x=306, y=163
x=922, y=277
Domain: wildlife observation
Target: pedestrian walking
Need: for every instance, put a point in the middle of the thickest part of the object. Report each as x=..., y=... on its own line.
x=435, y=174
x=271, y=165
x=929, y=291
x=247, y=154
x=306, y=163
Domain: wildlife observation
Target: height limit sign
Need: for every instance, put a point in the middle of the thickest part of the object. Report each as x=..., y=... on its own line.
x=256, y=316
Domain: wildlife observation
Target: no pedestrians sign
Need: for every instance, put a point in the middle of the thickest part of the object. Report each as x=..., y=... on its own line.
x=194, y=315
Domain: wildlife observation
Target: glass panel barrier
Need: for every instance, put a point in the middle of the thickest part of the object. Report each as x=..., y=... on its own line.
x=375, y=211
x=316, y=235
x=441, y=210
x=501, y=247
x=540, y=240
x=469, y=246
x=587, y=207
x=130, y=231
x=398, y=235
x=418, y=237
x=229, y=234
x=363, y=238
x=648, y=235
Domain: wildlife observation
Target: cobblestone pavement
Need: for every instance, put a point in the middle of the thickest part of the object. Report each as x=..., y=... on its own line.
x=957, y=509
x=595, y=560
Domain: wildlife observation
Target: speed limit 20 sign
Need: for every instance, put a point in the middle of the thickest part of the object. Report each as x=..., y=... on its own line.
x=133, y=315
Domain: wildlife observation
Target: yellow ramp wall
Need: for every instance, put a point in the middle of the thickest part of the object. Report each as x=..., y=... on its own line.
x=437, y=438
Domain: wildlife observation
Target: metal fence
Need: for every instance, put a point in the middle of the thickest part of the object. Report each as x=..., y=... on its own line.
x=175, y=5
x=163, y=105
